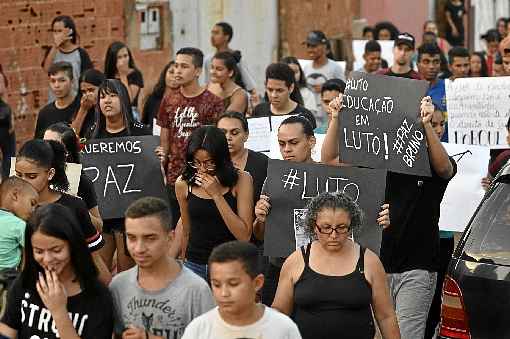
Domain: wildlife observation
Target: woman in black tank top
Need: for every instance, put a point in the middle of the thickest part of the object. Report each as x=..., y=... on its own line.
x=331, y=286
x=215, y=199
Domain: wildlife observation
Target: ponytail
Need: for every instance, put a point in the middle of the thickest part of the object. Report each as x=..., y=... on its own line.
x=59, y=180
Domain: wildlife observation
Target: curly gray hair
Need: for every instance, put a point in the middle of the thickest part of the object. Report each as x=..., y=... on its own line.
x=337, y=200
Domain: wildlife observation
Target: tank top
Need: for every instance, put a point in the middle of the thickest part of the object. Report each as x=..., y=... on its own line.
x=333, y=306
x=207, y=229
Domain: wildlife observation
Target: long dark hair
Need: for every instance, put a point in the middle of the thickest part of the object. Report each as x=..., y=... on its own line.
x=47, y=154
x=230, y=60
x=56, y=220
x=116, y=87
x=282, y=71
x=68, y=23
x=290, y=60
x=212, y=140
x=69, y=140
x=156, y=95
x=110, y=60
x=484, y=71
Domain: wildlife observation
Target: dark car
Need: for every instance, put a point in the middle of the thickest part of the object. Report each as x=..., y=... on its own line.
x=476, y=291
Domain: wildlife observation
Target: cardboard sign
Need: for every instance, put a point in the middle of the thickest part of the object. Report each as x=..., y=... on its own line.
x=478, y=110
x=290, y=187
x=123, y=170
x=464, y=191
x=358, y=49
x=380, y=124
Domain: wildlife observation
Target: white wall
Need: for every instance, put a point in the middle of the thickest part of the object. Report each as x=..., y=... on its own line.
x=255, y=26
x=486, y=14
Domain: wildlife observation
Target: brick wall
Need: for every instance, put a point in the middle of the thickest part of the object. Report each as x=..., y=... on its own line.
x=25, y=33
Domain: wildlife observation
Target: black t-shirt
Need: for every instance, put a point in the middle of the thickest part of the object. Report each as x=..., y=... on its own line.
x=412, y=240
x=87, y=192
x=5, y=115
x=93, y=238
x=135, y=78
x=50, y=115
x=256, y=165
x=264, y=110
x=457, y=13
x=151, y=109
x=88, y=123
x=91, y=313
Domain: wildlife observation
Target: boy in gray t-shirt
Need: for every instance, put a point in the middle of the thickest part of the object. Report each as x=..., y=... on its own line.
x=159, y=296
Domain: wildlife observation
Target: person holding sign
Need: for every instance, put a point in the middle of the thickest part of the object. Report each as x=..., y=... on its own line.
x=331, y=286
x=58, y=293
x=114, y=121
x=410, y=244
x=215, y=198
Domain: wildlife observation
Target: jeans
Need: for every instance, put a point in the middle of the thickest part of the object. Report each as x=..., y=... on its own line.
x=199, y=269
x=412, y=293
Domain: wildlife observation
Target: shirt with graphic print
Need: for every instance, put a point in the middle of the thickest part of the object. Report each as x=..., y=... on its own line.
x=181, y=116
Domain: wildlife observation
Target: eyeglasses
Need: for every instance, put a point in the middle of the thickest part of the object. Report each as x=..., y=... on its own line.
x=328, y=229
x=207, y=165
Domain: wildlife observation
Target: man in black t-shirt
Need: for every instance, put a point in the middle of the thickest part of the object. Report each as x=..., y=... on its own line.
x=282, y=94
x=66, y=103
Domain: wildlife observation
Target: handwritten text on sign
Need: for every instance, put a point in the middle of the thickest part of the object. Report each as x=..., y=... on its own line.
x=290, y=186
x=380, y=125
x=478, y=110
x=123, y=170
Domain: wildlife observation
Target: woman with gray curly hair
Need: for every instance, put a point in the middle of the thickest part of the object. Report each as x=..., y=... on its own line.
x=331, y=286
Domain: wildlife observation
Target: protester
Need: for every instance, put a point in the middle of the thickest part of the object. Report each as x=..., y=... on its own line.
x=180, y=114
x=455, y=13
x=17, y=202
x=84, y=118
x=65, y=135
x=497, y=66
x=458, y=58
x=282, y=93
x=372, y=57
x=299, y=76
x=410, y=244
x=59, y=285
x=120, y=64
x=223, y=82
x=167, y=294
x=66, y=47
x=215, y=198
x=221, y=36
x=402, y=53
x=330, y=90
x=114, y=121
x=7, y=131
x=368, y=33
x=318, y=285
x=235, y=280
x=492, y=39
x=504, y=50
x=478, y=65
x=66, y=104
x=166, y=85
x=431, y=26
x=235, y=127
x=501, y=27
x=385, y=30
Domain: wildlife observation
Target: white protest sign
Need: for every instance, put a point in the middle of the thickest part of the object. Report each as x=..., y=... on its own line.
x=358, y=49
x=464, y=191
x=260, y=132
x=73, y=173
x=478, y=110
x=274, y=152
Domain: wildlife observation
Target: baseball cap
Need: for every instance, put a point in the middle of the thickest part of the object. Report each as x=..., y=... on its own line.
x=315, y=38
x=405, y=38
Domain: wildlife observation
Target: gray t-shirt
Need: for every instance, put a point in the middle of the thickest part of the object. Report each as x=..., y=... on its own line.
x=272, y=325
x=74, y=58
x=166, y=312
x=248, y=80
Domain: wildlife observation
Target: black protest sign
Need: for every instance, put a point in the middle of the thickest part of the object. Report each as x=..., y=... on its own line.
x=290, y=186
x=380, y=124
x=123, y=170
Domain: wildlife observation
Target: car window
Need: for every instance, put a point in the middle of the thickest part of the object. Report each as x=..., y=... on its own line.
x=489, y=239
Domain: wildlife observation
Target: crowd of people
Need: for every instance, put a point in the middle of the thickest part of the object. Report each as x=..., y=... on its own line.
x=193, y=267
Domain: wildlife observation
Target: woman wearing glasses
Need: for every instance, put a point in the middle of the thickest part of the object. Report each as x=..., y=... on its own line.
x=215, y=198
x=331, y=286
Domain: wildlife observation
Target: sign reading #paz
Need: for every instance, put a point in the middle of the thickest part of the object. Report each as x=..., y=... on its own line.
x=123, y=170
x=380, y=124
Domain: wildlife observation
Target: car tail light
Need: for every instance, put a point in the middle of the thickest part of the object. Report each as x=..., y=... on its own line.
x=454, y=321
